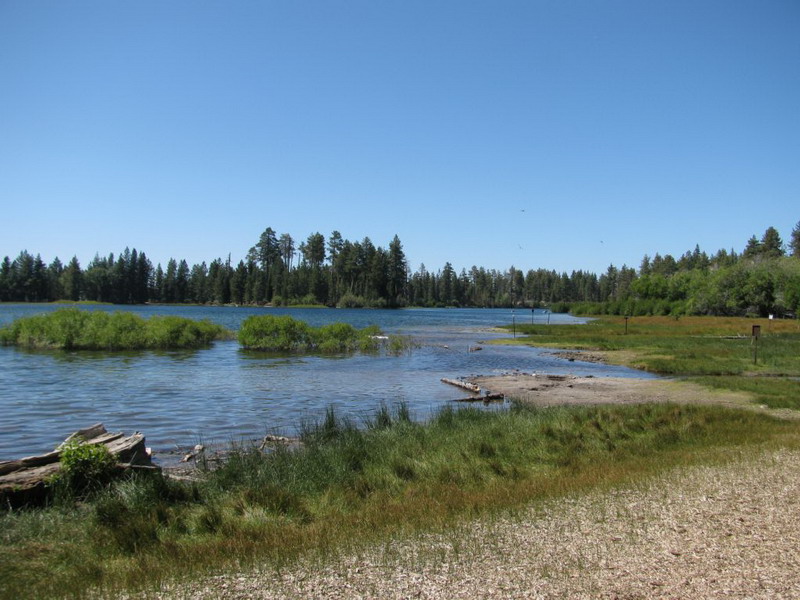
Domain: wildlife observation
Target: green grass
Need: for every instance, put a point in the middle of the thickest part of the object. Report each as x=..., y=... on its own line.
x=356, y=485
x=75, y=329
x=772, y=392
x=282, y=333
x=715, y=351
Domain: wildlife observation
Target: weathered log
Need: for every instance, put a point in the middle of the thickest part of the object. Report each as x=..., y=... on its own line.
x=463, y=385
x=86, y=434
x=485, y=399
x=24, y=481
x=29, y=462
x=96, y=434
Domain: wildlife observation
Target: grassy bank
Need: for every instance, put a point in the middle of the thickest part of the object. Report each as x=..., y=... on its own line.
x=74, y=329
x=714, y=351
x=351, y=485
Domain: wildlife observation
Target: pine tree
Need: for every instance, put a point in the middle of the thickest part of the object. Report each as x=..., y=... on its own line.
x=794, y=243
x=771, y=243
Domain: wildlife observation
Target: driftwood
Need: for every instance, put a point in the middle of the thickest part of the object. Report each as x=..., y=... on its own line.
x=274, y=440
x=197, y=451
x=23, y=481
x=485, y=399
x=465, y=385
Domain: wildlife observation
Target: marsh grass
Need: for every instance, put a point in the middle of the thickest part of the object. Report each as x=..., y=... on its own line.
x=773, y=392
x=354, y=485
x=717, y=351
x=75, y=329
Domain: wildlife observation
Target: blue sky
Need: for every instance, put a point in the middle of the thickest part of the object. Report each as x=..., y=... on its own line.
x=564, y=134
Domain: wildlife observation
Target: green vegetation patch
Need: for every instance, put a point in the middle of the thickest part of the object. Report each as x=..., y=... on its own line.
x=715, y=351
x=75, y=329
x=774, y=392
x=685, y=346
x=282, y=333
x=353, y=485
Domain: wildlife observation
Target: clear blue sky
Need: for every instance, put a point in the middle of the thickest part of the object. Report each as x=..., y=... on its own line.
x=564, y=134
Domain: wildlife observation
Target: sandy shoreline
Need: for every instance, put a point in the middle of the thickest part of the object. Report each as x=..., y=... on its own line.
x=551, y=390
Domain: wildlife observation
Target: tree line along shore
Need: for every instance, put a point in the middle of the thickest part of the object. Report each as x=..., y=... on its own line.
x=762, y=279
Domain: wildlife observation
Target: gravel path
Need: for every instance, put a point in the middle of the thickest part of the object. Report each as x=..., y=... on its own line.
x=730, y=531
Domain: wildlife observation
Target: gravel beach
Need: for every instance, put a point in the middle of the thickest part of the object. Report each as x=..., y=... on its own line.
x=725, y=531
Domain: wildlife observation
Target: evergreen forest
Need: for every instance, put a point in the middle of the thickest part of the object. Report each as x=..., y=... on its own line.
x=761, y=279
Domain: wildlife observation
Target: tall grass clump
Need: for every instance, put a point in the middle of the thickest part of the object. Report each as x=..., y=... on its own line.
x=75, y=329
x=282, y=333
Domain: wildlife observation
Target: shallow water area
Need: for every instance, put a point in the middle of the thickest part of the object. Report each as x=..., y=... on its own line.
x=223, y=393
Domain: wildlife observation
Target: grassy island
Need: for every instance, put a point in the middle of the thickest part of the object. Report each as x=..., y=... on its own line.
x=271, y=333
x=74, y=329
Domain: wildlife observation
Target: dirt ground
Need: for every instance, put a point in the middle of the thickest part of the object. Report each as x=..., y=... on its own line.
x=554, y=390
x=550, y=390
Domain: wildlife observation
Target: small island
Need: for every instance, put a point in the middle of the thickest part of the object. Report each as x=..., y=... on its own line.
x=75, y=329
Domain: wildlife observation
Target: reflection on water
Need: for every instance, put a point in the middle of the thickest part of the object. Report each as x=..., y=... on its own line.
x=225, y=394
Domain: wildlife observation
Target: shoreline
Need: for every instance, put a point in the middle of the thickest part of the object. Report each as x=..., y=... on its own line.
x=574, y=390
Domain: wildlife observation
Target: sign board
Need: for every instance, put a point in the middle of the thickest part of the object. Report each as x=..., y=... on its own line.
x=756, y=331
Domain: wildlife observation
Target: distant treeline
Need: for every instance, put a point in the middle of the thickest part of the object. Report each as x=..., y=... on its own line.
x=762, y=279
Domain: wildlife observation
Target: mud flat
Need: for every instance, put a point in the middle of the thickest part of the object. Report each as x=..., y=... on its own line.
x=554, y=390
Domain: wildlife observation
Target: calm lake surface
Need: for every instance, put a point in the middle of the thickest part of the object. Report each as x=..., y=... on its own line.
x=223, y=393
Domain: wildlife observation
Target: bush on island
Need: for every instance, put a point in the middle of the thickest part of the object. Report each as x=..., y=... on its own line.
x=282, y=333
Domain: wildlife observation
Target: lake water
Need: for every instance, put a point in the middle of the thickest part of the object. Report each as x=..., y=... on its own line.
x=223, y=393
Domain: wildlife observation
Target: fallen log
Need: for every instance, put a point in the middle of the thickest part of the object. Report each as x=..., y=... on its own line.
x=485, y=399
x=24, y=481
x=463, y=385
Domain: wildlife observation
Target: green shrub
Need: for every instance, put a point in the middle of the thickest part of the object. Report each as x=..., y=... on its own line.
x=85, y=469
x=282, y=333
x=349, y=300
x=274, y=333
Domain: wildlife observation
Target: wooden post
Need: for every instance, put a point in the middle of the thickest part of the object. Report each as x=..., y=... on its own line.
x=756, y=333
